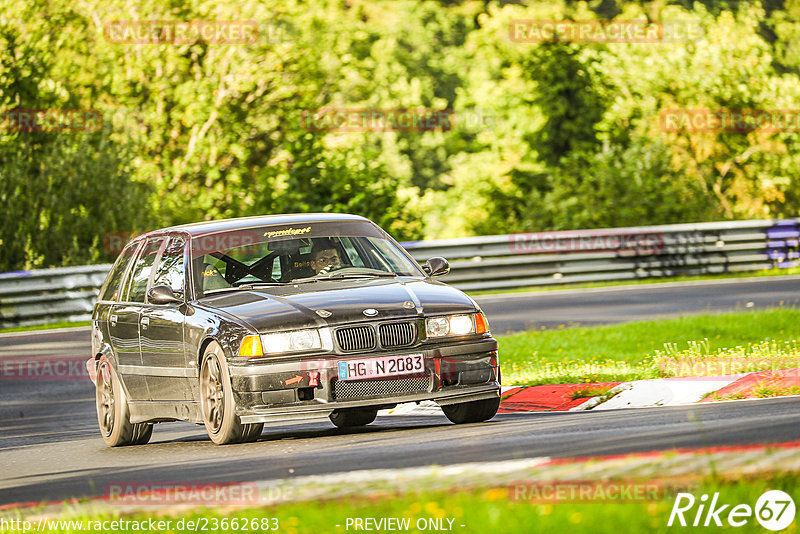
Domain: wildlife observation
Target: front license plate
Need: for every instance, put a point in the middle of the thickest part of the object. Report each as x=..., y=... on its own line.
x=379, y=367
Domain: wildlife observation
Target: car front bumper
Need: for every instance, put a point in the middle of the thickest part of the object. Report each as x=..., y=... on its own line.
x=309, y=388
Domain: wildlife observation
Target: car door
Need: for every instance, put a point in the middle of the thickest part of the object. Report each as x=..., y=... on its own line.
x=106, y=315
x=161, y=334
x=127, y=316
x=123, y=322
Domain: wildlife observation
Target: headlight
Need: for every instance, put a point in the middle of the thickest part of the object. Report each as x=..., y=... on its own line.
x=438, y=326
x=461, y=325
x=297, y=341
x=456, y=325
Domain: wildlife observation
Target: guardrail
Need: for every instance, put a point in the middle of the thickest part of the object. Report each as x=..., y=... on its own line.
x=490, y=262
x=48, y=295
x=549, y=258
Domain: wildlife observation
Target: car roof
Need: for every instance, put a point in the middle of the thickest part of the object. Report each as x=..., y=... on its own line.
x=243, y=223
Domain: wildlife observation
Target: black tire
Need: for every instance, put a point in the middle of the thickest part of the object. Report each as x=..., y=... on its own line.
x=217, y=404
x=472, y=412
x=353, y=417
x=113, y=415
x=253, y=433
x=142, y=433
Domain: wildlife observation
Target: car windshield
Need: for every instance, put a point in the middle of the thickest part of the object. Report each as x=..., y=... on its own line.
x=296, y=253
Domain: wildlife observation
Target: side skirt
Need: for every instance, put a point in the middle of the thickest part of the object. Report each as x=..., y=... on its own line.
x=150, y=411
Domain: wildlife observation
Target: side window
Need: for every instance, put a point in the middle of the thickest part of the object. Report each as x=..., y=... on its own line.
x=111, y=289
x=137, y=282
x=170, y=267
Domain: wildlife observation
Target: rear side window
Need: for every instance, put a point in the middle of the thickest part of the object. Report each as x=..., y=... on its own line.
x=111, y=289
x=137, y=281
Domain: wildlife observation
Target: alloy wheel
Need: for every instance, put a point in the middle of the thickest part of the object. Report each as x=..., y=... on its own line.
x=106, y=400
x=213, y=394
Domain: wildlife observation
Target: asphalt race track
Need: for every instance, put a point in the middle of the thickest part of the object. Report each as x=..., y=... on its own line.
x=50, y=446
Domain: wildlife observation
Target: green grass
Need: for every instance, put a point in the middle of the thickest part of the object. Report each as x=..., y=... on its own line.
x=764, y=390
x=734, y=396
x=630, y=351
x=493, y=510
x=585, y=393
x=640, y=281
x=61, y=324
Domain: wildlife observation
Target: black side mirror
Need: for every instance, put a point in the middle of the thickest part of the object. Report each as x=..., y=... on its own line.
x=162, y=294
x=436, y=266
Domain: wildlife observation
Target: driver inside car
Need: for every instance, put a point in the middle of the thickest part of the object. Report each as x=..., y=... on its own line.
x=325, y=258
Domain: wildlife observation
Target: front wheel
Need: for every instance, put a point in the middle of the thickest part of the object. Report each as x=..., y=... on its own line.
x=112, y=410
x=216, y=402
x=348, y=418
x=472, y=412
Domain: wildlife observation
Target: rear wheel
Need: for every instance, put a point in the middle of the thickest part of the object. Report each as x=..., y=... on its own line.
x=112, y=410
x=348, y=418
x=472, y=412
x=216, y=402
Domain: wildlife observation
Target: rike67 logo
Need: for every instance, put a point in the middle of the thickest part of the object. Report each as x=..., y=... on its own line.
x=774, y=510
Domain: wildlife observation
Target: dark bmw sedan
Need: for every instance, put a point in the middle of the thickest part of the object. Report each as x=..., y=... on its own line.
x=236, y=323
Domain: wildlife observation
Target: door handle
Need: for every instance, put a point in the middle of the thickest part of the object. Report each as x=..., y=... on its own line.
x=113, y=320
x=145, y=322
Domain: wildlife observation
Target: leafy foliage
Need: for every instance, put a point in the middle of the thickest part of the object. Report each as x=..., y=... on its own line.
x=543, y=136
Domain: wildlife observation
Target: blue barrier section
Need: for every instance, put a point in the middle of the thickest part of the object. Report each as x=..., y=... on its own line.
x=782, y=244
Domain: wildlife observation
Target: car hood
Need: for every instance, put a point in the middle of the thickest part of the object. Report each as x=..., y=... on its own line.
x=289, y=308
